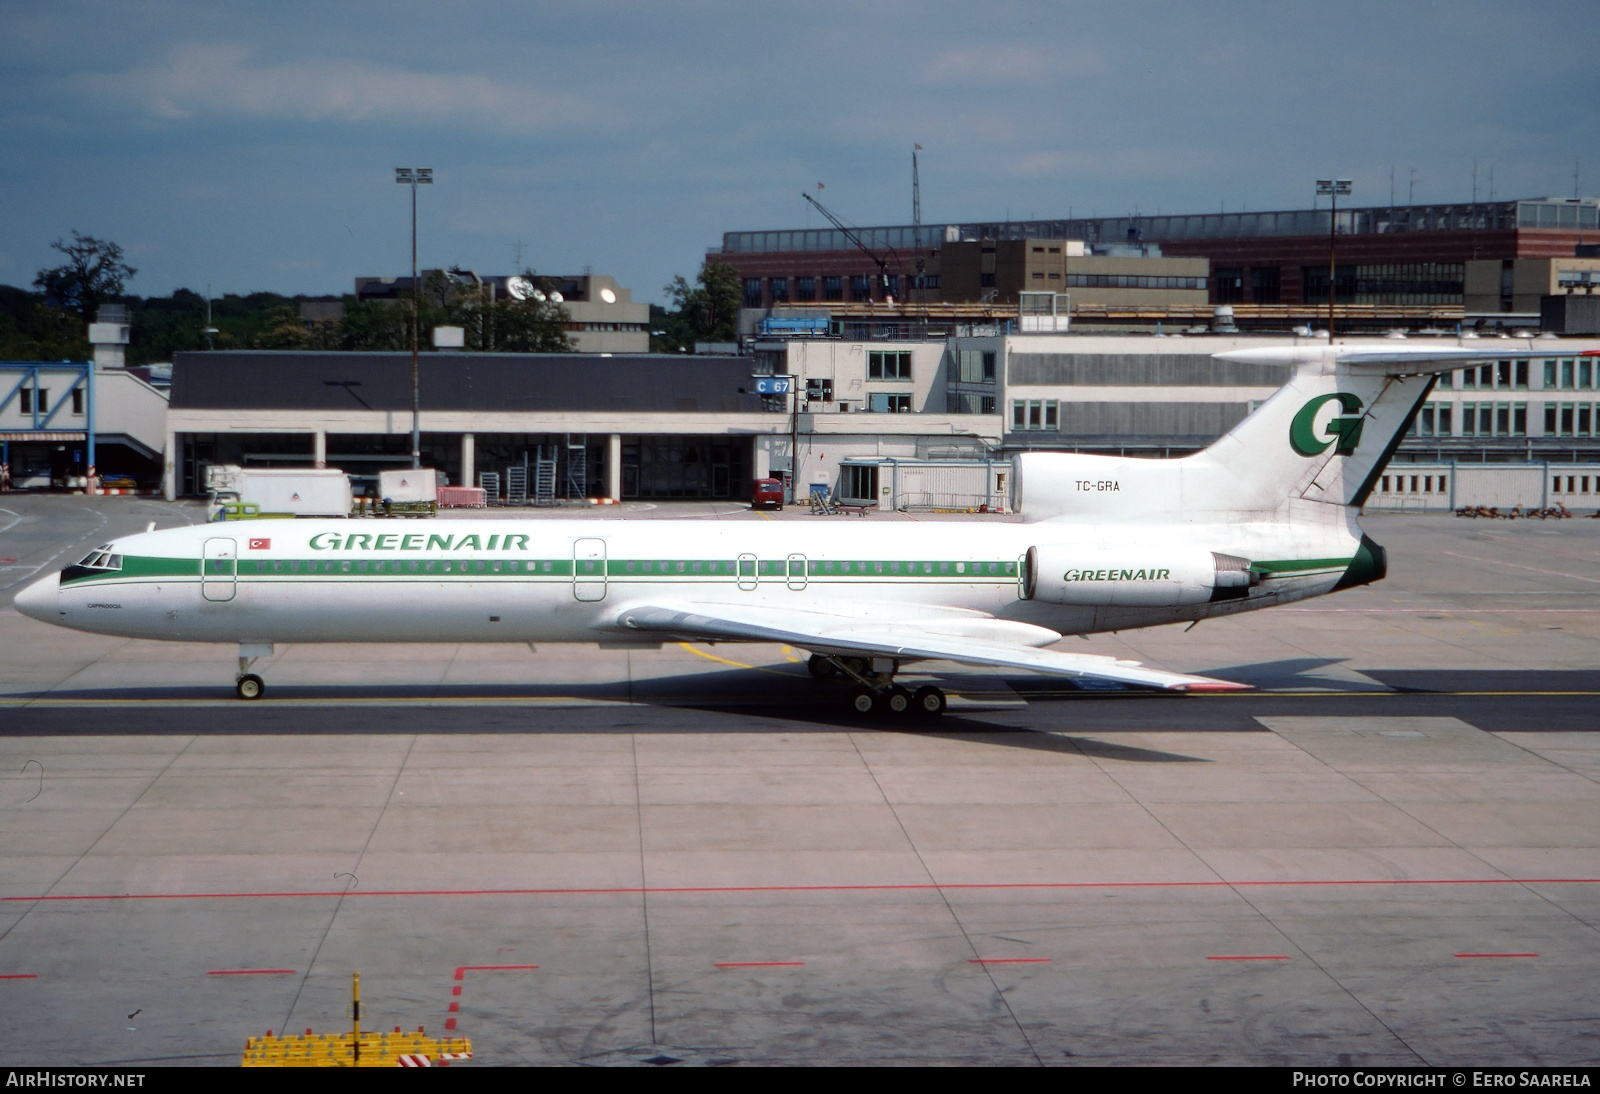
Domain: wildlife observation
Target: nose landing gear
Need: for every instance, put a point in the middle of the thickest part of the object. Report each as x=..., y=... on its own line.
x=875, y=691
x=247, y=685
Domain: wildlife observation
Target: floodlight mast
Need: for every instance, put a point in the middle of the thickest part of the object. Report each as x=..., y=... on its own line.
x=1333, y=188
x=414, y=177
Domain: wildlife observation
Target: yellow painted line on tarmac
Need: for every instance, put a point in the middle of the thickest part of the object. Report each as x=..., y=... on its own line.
x=735, y=664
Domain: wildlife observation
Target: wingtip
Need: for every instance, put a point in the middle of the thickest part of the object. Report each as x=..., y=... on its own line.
x=1218, y=685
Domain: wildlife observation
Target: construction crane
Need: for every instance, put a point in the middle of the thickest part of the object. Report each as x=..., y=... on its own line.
x=854, y=237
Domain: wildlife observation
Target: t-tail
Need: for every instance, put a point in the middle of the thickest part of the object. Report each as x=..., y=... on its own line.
x=1311, y=452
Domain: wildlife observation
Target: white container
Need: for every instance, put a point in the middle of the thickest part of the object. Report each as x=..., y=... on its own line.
x=301, y=493
x=412, y=485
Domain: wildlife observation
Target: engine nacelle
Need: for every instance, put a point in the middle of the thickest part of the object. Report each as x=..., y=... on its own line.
x=1137, y=577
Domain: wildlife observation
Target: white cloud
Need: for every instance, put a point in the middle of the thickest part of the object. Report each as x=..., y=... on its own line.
x=990, y=65
x=199, y=81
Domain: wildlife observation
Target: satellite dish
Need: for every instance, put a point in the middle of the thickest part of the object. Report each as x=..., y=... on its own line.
x=535, y=294
x=519, y=288
x=556, y=298
x=608, y=296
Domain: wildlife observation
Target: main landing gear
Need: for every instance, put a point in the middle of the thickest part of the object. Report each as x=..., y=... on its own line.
x=247, y=685
x=875, y=691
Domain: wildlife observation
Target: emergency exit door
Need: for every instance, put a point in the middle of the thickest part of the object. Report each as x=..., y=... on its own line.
x=589, y=569
x=219, y=566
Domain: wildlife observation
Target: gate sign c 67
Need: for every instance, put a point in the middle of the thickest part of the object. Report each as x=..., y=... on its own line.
x=772, y=385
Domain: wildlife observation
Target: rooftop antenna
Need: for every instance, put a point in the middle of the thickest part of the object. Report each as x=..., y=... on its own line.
x=1474, y=182
x=517, y=265
x=916, y=189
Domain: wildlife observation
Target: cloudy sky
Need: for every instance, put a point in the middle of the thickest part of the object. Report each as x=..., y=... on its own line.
x=252, y=146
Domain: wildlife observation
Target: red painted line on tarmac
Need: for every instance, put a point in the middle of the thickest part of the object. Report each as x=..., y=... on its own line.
x=1249, y=957
x=19, y=976
x=252, y=972
x=691, y=890
x=1497, y=955
x=453, y=1008
x=759, y=964
x=1007, y=960
x=449, y=1023
x=462, y=970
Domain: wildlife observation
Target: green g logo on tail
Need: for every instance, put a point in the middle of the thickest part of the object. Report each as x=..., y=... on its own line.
x=1308, y=439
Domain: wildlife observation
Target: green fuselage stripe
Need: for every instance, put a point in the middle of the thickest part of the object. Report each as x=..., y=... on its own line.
x=744, y=569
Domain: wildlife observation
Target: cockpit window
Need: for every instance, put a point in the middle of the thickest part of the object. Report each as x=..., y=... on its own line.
x=101, y=558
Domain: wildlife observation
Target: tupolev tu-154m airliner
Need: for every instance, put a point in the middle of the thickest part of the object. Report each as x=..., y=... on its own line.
x=1265, y=516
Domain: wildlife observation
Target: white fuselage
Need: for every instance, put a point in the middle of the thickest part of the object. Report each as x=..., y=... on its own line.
x=564, y=580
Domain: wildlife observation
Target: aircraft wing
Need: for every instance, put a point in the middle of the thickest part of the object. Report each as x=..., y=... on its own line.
x=985, y=641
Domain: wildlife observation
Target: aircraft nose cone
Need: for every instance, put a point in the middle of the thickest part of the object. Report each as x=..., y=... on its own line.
x=38, y=601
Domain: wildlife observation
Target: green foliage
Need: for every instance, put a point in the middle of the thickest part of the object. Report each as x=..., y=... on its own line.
x=51, y=325
x=375, y=325
x=31, y=330
x=707, y=311
x=502, y=325
x=94, y=273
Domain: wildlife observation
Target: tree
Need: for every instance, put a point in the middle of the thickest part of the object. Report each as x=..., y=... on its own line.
x=285, y=330
x=530, y=326
x=375, y=325
x=707, y=311
x=93, y=274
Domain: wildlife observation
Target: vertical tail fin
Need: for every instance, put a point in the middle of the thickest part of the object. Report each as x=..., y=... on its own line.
x=1323, y=437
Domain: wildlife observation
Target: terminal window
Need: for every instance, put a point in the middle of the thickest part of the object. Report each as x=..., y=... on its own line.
x=805, y=288
x=887, y=365
x=1434, y=421
x=1032, y=414
x=833, y=288
x=975, y=367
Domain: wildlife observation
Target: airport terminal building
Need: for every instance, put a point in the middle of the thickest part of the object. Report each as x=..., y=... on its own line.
x=891, y=424
x=1489, y=261
x=642, y=426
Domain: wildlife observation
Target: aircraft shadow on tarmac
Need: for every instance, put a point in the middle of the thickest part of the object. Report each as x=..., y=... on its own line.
x=1050, y=714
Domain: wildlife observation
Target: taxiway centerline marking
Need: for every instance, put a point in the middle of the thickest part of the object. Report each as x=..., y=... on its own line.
x=252, y=972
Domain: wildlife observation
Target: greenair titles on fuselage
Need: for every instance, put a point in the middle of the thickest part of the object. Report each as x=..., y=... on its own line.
x=1116, y=575
x=417, y=541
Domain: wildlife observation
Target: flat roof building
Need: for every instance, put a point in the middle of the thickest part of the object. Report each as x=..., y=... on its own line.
x=604, y=316
x=1388, y=257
